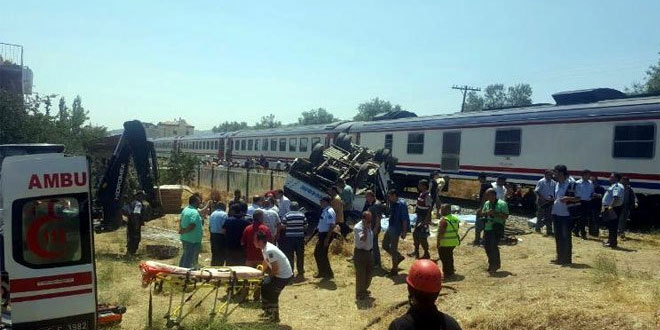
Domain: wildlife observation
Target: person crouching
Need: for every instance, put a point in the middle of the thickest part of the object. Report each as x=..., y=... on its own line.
x=277, y=266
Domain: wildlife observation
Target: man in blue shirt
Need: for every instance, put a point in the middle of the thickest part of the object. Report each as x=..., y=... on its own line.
x=612, y=205
x=293, y=228
x=191, y=231
x=397, y=228
x=325, y=229
x=584, y=190
x=218, y=244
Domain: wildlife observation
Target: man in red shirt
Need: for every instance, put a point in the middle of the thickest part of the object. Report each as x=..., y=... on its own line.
x=253, y=255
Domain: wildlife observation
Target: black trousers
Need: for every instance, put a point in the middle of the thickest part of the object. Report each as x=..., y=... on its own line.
x=321, y=256
x=446, y=254
x=294, y=248
x=235, y=257
x=613, y=227
x=364, y=266
x=491, y=245
x=563, y=239
x=270, y=294
x=582, y=218
x=133, y=235
x=218, y=249
x=420, y=234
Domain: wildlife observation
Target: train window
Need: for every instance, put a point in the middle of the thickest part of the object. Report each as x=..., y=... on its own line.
x=208, y=145
x=303, y=144
x=216, y=145
x=293, y=143
x=315, y=141
x=388, y=141
x=243, y=144
x=415, y=143
x=249, y=144
x=265, y=145
x=256, y=144
x=273, y=145
x=236, y=144
x=282, y=144
x=507, y=142
x=634, y=141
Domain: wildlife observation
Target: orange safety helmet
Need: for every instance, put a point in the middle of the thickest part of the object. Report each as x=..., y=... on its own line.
x=425, y=276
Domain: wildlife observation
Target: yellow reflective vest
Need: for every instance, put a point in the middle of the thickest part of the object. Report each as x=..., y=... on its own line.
x=450, y=238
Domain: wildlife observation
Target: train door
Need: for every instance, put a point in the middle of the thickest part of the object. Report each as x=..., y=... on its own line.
x=47, y=243
x=221, y=150
x=451, y=150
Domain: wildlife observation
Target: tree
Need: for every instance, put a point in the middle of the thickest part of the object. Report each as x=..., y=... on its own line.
x=180, y=168
x=268, y=122
x=316, y=116
x=228, y=126
x=497, y=96
x=368, y=110
x=473, y=102
x=650, y=84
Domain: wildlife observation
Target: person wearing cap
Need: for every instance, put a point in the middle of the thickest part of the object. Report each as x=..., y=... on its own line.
x=363, y=259
x=276, y=265
x=448, y=239
x=424, y=283
x=496, y=211
x=134, y=225
x=325, y=229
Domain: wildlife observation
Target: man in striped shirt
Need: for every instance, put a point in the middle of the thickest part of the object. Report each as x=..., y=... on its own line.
x=293, y=228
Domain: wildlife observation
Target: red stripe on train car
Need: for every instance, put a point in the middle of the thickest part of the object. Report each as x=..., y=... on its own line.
x=51, y=295
x=50, y=282
x=638, y=176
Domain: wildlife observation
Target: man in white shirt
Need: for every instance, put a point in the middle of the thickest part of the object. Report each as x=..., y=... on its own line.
x=325, y=229
x=279, y=274
x=545, y=192
x=271, y=217
x=612, y=205
x=284, y=203
x=363, y=259
x=500, y=188
x=561, y=216
x=584, y=190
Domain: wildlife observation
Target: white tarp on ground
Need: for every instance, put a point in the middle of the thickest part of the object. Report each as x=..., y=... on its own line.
x=469, y=219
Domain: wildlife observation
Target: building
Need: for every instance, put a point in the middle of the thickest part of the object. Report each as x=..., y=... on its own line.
x=174, y=128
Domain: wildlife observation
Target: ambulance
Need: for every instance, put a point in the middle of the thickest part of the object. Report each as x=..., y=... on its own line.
x=48, y=267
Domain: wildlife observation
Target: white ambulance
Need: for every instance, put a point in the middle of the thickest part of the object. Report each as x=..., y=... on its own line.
x=48, y=270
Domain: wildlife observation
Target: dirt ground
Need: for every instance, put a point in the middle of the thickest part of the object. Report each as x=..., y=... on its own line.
x=605, y=289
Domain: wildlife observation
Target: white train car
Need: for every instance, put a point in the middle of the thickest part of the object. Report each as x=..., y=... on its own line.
x=208, y=147
x=284, y=143
x=164, y=146
x=584, y=130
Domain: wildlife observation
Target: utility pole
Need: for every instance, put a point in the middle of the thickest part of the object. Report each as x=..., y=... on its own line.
x=465, y=89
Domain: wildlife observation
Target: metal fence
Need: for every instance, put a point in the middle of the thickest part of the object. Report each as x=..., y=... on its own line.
x=249, y=181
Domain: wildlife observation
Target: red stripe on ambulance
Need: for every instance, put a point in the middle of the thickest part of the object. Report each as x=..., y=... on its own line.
x=57, y=180
x=49, y=282
x=51, y=295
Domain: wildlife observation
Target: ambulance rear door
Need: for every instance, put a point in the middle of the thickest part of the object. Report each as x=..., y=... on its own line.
x=48, y=242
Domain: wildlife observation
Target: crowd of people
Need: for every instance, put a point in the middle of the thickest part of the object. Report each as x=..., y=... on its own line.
x=271, y=231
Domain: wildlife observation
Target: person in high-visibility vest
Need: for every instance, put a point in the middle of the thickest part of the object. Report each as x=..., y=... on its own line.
x=448, y=239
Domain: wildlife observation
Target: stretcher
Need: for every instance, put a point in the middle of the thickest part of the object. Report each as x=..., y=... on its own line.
x=237, y=280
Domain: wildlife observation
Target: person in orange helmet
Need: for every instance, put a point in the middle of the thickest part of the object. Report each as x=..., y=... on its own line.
x=424, y=283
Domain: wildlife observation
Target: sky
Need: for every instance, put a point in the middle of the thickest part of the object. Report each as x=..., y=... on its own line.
x=211, y=61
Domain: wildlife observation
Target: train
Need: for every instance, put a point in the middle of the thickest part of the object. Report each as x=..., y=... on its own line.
x=600, y=129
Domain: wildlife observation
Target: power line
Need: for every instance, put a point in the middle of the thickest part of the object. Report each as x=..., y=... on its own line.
x=465, y=89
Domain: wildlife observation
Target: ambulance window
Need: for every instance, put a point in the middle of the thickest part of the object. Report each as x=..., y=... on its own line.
x=51, y=231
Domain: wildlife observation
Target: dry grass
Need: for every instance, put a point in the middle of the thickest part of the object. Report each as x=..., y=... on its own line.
x=607, y=289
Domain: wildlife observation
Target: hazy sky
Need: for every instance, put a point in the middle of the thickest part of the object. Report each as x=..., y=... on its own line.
x=211, y=61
